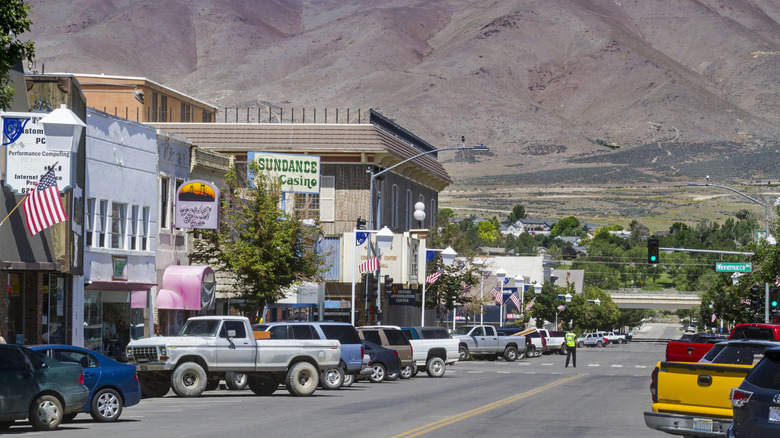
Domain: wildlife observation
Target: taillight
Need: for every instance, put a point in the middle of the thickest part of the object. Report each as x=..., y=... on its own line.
x=654, y=385
x=362, y=351
x=739, y=397
x=411, y=350
x=136, y=376
x=81, y=378
x=395, y=352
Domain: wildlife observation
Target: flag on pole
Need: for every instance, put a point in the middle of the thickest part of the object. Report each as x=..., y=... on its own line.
x=714, y=317
x=360, y=238
x=497, y=295
x=466, y=290
x=433, y=277
x=516, y=301
x=529, y=305
x=561, y=308
x=370, y=265
x=43, y=206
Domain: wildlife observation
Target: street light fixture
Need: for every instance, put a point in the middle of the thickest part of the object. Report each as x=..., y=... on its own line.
x=447, y=258
x=480, y=263
x=62, y=128
x=384, y=238
x=500, y=275
x=520, y=284
x=537, y=288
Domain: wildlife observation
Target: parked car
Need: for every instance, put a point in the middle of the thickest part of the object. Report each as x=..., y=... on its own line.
x=38, y=388
x=755, y=403
x=592, y=340
x=484, y=341
x=535, y=343
x=556, y=340
x=383, y=363
x=615, y=338
x=112, y=385
x=432, y=348
x=351, y=348
x=393, y=338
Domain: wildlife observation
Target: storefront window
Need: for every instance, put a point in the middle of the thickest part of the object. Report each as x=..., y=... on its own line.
x=93, y=320
x=54, y=322
x=15, y=326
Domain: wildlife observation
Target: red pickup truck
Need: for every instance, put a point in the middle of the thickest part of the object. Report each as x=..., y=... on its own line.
x=693, y=349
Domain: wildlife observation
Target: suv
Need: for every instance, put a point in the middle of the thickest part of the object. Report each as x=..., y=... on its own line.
x=556, y=340
x=391, y=337
x=592, y=340
x=344, y=332
x=754, y=403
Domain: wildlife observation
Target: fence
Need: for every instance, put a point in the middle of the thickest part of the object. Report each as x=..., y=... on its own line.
x=280, y=115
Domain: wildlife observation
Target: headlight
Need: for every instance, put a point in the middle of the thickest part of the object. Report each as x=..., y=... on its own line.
x=163, y=351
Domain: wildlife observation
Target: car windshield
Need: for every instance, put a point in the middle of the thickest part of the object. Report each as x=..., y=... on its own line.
x=739, y=354
x=344, y=333
x=200, y=327
x=462, y=330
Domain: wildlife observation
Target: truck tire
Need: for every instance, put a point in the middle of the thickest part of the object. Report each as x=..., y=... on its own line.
x=415, y=370
x=510, y=354
x=262, y=385
x=189, y=380
x=235, y=381
x=46, y=413
x=531, y=351
x=562, y=350
x=332, y=378
x=463, y=353
x=599, y=343
x=302, y=379
x=212, y=384
x=580, y=344
x=349, y=379
x=406, y=372
x=435, y=367
x=154, y=388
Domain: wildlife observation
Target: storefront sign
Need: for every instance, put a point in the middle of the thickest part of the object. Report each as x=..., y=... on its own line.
x=27, y=158
x=197, y=205
x=403, y=297
x=296, y=173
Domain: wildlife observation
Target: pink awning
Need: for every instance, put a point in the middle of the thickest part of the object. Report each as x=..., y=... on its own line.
x=138, y=299
x=188, y=282
x=168, y=299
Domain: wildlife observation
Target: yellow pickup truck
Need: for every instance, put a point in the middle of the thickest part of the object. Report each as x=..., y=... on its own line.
x=692, y=398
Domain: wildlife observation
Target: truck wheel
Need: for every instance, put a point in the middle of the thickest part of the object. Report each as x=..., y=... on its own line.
x=435, y=367
x=562, y=350
x=46, y=413
x=106, y=406
x=463, y=353
x=599, y=344
x=235, y=381
x=531, y=351
x=262, y=385
x=378, y=374
x=212, y=384
x=332, y=378
x=302, y=379
x=154, y=388
x=510, y=354
x=189, y=380
x=581, y=344
x=415, y=370
x=349, y=379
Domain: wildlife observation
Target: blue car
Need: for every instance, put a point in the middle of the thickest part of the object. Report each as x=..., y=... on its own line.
x=112, y=385
x=384, y=362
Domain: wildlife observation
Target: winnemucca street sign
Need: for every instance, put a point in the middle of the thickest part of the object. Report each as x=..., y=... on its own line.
x=733, y=267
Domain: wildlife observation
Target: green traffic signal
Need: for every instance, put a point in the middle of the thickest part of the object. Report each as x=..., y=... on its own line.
x=774, y=303
x=653, y=259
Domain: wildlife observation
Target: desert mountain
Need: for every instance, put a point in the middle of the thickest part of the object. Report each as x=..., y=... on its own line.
x=564, y=92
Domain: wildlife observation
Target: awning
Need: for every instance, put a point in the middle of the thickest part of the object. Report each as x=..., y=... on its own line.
x=195, y=285
x=168, y=299
x=138, y=299
x=117, y=285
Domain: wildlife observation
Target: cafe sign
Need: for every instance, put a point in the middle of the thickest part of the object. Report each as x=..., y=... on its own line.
x=197, y=205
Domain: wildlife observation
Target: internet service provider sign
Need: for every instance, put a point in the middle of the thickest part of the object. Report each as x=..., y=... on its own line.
x=296, y=173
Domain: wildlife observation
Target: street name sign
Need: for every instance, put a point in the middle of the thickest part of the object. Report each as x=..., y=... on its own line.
x=733, y=267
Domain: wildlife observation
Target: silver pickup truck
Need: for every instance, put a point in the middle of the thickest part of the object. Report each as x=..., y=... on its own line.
x=433, y=349
x=209, y=346
x=483, y=341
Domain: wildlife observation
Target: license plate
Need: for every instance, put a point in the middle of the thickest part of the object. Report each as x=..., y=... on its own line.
x=143, y=367
x=774, y=414
x=702, y=425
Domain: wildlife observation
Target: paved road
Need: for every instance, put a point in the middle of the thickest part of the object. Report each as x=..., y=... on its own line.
x=604, y=396
x=656, y=330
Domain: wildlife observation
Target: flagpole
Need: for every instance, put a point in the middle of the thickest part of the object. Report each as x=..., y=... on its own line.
x=14, y=209
x=354, y=244
x=425, y=273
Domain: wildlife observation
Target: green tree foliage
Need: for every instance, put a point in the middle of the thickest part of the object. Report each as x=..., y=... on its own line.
x=568, y=226
x=518, y=212
x=266, y=250
x=489, y=231
x=13, y=22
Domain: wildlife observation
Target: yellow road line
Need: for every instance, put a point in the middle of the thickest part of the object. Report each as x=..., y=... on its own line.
x=482, y=409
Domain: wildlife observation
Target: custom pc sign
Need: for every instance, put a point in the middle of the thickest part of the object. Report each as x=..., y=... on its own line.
x=27, y=158
x=296, y=173
x=197, y=205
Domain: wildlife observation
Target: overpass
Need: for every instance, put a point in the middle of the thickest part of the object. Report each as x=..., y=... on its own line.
x=641, y=299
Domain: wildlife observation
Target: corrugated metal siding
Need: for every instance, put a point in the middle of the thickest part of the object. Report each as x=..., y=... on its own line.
x=331, y=246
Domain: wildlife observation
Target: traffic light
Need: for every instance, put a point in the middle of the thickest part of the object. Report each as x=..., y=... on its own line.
x=773, y=299
x=755, y=297
x=372, y=310
x=371, y=284
x=652, y=250
x=388, y=282
x=361, y=224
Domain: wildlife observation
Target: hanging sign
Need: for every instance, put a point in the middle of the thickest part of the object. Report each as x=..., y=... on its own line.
x=197, y=205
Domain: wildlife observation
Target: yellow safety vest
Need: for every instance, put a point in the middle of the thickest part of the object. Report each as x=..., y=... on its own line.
x=571, y=339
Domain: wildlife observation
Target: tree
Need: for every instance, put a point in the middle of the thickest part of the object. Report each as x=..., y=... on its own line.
x=518, y=212
x=568, y=226
x=13, y=22
x=265, y=249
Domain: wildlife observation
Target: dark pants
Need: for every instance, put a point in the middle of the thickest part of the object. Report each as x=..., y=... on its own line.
x=571, y=352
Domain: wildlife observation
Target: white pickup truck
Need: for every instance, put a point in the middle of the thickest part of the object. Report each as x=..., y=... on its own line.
x=209, y=346
x=432, y=349
x=484, y=341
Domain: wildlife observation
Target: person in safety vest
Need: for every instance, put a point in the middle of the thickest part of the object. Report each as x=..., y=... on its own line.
x=571, y=348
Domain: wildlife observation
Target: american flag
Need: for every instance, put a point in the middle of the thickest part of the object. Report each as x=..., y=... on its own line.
x=433, y=277
x=529, y=305
x=516, y=301
x=43, y=206
x=370, y=265
x=466, y=290
x=498, y=295
x=561, y=308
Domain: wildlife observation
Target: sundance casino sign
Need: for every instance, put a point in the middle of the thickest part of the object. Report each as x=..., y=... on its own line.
x=296, y=173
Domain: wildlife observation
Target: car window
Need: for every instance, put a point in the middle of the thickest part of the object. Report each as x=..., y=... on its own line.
x=302, y=331
x=200, y=327
x=372, y=335
x=12, y=359
x=479, y=331
x=762, y=333
x=38, y=360
x=766, y=374
x=278, y=332
x=238, y=326
x=344, y=333
x=74, y=356
x=711, y=354
x=461, y=330
x=408, y=333
x=434, y=333
x=396, y=337
x=739, y=355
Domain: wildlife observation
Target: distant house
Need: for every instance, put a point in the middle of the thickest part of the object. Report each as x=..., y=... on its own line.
x=512, y=228
x=573, y=240
x=533, y=226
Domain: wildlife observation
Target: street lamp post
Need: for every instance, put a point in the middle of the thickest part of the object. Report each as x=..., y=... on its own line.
x=520, y=284
x=384, y=239
x=500, y=275
x=567, y=298
x=447, y=258
x=766, y=223
x=480, y=263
